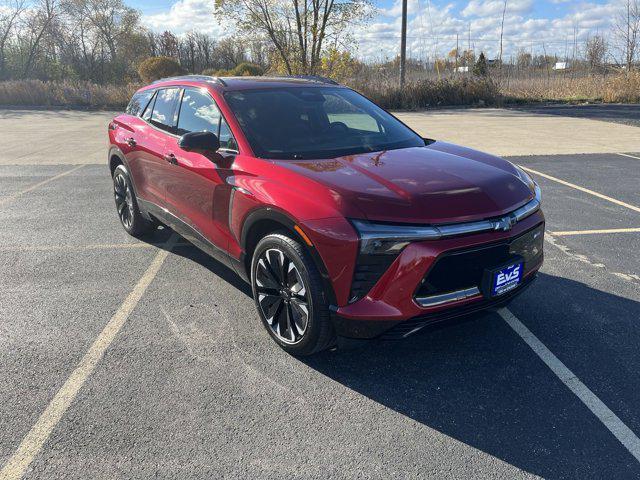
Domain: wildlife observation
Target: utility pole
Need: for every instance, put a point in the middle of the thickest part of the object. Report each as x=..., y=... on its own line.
x=403, y=44
x=504, y=11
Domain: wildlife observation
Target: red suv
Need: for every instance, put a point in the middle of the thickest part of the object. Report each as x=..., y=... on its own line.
x=344, y=220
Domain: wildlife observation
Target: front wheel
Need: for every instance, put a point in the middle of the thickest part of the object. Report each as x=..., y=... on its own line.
x=289, y=295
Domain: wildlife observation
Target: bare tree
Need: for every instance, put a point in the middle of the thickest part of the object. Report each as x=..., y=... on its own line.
x=297, y=29
x=168, y=44
x=98, y=40
x=596, y=51
x=230, y=52
x=111, y=19
x=196, y=52
x=205, y=46
x=524, y=59
x=39, y=22
x=627, y=31
x=10, y=12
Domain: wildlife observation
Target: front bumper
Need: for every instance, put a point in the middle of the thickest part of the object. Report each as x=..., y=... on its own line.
x=395, y=299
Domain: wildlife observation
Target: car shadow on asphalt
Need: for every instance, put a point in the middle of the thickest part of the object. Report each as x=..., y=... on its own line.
x=185, y=249
x=476, y=381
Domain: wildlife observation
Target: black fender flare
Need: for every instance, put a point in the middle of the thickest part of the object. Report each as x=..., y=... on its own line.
x=116, y=152
x=273, y=214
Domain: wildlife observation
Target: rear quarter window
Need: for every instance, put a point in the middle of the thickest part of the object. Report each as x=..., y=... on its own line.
x=138, y=102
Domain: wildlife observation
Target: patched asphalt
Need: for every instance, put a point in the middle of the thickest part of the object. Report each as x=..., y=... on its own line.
x=193, y=387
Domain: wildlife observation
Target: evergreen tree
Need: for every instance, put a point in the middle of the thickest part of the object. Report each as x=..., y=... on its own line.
x=480, y=68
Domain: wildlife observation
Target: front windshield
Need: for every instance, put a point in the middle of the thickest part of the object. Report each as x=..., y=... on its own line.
x=316, y=122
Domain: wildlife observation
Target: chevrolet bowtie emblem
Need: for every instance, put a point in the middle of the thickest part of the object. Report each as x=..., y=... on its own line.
x=505, y=223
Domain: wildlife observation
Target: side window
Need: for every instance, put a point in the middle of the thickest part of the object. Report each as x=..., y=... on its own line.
x=198, y=113
x=146, y=116
x=162, y=116
x=227, y=141
x=138, y=102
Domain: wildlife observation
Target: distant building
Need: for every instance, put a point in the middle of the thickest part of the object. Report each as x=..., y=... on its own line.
x=462, y=69
x=561, y=66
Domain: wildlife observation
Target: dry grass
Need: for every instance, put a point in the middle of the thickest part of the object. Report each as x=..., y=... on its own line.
x=36, y=93
x=419, y=94
x=433, y=93
x=623, y=89
x=619, y=88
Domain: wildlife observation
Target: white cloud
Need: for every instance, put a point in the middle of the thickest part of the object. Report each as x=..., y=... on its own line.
x=433, y=27
x=396, y=9
x=188, y=15
x=484, y=8
x=432, y=31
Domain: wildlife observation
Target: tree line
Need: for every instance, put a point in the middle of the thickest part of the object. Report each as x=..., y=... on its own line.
x=101, y=41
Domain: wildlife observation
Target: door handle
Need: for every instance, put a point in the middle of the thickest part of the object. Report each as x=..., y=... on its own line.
x=131, y=141
x=171, y=158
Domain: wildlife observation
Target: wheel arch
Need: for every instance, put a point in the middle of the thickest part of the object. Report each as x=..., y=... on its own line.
x=116, y=157
x=264, y=221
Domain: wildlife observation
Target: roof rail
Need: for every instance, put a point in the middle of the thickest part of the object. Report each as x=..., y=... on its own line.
x=201, y=78
x=311, y=78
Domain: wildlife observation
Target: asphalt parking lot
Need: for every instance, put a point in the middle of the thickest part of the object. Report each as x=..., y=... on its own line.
x=129, y=359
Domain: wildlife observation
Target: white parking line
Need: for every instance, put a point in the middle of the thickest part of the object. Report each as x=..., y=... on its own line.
x=32, y=443
x=610, y=420
x=627, y=155
x=595, y=232
x=582, y=189
x=38, y=185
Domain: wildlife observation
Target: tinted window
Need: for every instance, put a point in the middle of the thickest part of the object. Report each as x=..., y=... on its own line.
x=226, y=137
x=163, y=108
x=316, y=122
x=138, y=102
x=198, y=113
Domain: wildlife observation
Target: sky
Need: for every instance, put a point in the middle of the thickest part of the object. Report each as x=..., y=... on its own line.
x=434, y=26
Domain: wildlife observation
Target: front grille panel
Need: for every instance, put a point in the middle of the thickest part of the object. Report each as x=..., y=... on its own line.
x=413, y=325
x=464, y=269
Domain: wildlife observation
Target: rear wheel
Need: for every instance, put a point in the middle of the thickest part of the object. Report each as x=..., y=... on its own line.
x=126, y=204
x=288, y=292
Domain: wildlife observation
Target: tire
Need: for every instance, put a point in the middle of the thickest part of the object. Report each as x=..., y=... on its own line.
x=281, y=299
x=127, y=205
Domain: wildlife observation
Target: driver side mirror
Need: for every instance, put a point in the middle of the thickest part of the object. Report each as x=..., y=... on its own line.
x=205, y=143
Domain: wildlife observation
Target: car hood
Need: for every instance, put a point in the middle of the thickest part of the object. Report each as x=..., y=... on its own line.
x=438, y=183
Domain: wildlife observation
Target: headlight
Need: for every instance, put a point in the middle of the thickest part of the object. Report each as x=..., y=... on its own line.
x=384, y=239
x=524, y=176
x=527, y=179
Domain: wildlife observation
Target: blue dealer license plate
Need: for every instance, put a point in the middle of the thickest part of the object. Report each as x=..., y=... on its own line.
x=505, y=279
